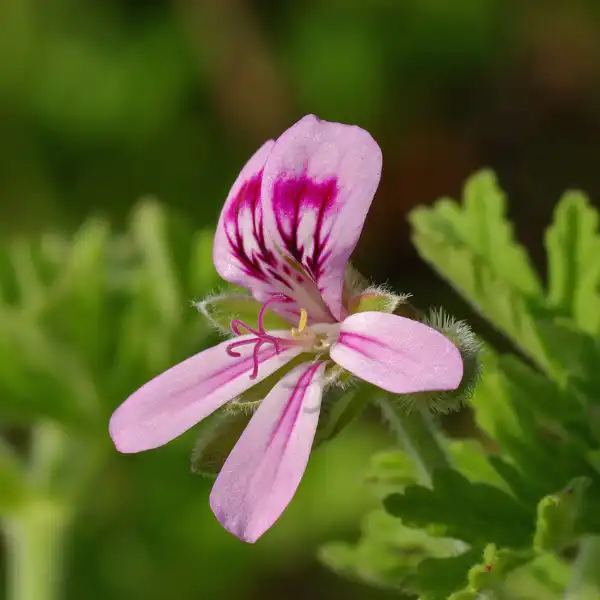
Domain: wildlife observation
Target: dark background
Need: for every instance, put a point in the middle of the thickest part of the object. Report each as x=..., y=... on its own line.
x=103, y=102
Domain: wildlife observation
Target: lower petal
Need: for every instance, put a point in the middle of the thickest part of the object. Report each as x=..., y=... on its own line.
x=173, y=402
x=264, y=469
x=397, y=354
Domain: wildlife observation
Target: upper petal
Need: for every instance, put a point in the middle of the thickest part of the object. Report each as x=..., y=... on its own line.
x=397, y=354
x=240, y=250
x=264, y=469
x=171, y=403
x=318, y=183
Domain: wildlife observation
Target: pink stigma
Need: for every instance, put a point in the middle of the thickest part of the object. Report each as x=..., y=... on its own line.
x=261, y=336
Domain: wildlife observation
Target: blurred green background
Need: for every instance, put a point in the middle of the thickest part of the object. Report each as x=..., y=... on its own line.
x=102, y=103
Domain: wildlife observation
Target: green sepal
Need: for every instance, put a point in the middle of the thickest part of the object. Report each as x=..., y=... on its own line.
x=217, y=435
x=222, y=309
x=339, y=408
x=250, y=399
x=376, y=300
x=557, y=515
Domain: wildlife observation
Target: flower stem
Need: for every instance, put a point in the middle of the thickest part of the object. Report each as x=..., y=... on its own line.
x=585, y=583
x=34, y=539
x=36, y=530
x=417, y=434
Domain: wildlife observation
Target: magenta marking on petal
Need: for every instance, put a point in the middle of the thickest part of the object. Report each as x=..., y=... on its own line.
x=277, y=277
x=294, y=403
x=248, y=201
x=347, y=338
x=292, y=198
x=242, y=366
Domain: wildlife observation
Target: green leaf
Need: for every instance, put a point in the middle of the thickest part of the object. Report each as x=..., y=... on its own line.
x=390, y=472
x=40, y=377
x=77, y=305
x=471, y=460
x=550, y=405
x=472, y=246
x=506, y=412
x=573, y=245
x=547, y=576
x=155, y=329
x=149, y=231
x=437, y=578
x=221, y=310
x=479, y=227
x=557, y=515
x=495, y=566
x=476, y=513
x=387, y=554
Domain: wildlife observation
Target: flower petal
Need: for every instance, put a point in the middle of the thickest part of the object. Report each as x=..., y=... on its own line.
x=240, y=251
x=397, y=354
x=171, y=403
x=264, y=469
x=318, y=183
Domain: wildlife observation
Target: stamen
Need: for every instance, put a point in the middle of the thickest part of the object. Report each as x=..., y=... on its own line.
x=263, y=310
x=262, y=337
x=230, y=347
x=236, y=325
x=301, y=323
x=255, y=359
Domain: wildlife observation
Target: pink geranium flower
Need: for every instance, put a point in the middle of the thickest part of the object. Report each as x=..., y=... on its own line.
x=286, y=232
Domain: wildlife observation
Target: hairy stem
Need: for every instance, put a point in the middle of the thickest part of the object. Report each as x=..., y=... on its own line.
x=417, y=435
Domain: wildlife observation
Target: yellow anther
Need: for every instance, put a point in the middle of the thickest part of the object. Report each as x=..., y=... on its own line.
x=301, y=323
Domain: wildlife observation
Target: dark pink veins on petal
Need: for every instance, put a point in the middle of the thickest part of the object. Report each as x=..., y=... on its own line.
x=294, y=405
x=248, y=243
x=293, y=200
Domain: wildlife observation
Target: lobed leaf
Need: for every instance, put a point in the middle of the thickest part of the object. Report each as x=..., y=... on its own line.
x=476, y=513
x=573, y=246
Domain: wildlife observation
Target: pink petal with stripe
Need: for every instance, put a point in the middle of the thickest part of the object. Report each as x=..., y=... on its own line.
x=264, y=469
x=241, y=252
x=317, y=187
x=397, y=354
x=173, y=402
x=244, y=253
